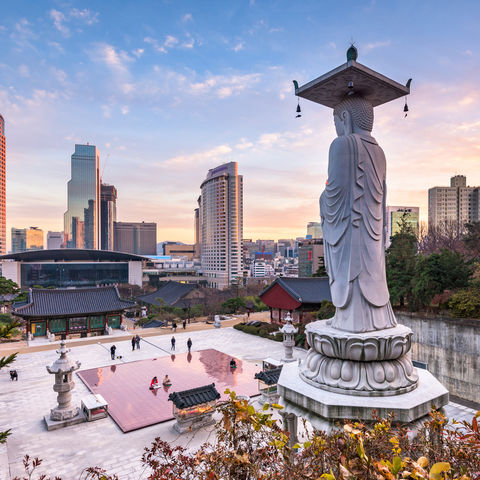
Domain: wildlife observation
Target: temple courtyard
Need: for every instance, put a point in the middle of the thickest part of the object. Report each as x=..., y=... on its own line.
x=67, y=452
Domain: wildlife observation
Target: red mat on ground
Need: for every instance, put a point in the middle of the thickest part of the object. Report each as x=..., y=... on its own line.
x=126, y=386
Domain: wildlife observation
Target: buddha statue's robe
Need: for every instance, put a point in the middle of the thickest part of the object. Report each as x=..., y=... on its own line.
x=352, y=208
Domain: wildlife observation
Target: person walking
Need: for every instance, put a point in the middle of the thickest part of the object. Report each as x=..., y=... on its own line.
x=133, y=343
x=189, y=344
x=112, y=351
x=174, y=326
x=184, y=323
x=172, y=341
x=137, y=341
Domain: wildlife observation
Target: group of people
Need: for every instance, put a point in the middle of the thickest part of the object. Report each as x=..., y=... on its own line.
x=174, y=325
x=136, y=342
x=189, y=344
x=154, y=383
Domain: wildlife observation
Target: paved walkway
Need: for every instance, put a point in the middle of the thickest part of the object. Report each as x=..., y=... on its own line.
x=66, y=452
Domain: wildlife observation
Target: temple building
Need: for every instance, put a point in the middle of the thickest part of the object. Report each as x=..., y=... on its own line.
x=84, y=311
x=296, y=296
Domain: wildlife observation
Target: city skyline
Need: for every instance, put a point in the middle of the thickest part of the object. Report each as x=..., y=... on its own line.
x=169, y=91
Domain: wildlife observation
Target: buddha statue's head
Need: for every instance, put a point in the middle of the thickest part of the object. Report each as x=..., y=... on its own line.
x=353, y=115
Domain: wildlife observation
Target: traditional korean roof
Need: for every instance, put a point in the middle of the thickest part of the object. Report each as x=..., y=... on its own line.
x=194, y=396
x=270, y=377
x=304, y=290
x=171, y=293
x=72, y=301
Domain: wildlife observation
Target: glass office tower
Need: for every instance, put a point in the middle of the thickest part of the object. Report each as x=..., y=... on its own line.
x=109, y=215
x=82, y=218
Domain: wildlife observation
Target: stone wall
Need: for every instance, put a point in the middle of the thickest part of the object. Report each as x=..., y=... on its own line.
x=451, y=349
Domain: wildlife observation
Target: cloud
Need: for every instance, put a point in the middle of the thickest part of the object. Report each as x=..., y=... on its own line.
x=24, y=71
x=170, y=41
x=125, y=109
x=154, y=43
x=138, y=52
x=86, y=16
x=107, y=112
x=212, y=155
x=58, y=22
x=187, y=18
x=225, y=86
x=116, y=60
x=22, y=34
x=238, y=47
x=189, y=43
x=372, y=45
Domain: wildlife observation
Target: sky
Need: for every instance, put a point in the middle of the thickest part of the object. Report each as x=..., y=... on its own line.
x=169, y=89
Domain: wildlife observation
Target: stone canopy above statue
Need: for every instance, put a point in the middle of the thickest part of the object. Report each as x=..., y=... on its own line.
x=352, y=77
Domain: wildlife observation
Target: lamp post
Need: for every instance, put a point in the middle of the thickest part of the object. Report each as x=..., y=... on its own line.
x=288, y=331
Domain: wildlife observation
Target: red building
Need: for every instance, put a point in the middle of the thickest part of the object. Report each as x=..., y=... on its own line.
x=296, y=296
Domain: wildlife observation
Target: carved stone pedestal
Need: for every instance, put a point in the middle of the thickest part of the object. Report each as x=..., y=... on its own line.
x=406, y=407
x=374, y=363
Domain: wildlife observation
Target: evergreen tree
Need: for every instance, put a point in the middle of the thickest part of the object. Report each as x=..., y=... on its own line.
x=400, y=262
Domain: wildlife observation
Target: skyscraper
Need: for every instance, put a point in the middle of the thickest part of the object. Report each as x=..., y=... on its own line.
x=54, y=240
x=3, y=218
x=221, y=219
x=456, y=204
x=82, y=218
x=24, y=239
x=108, y=215
x=314, y=230
x=139, y=238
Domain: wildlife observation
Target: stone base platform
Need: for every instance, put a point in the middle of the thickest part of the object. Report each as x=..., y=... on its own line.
x=55, y=425
x=406, y=407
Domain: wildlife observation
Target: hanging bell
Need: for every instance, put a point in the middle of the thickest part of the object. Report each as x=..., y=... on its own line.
x=405, y=108
x=299, y=110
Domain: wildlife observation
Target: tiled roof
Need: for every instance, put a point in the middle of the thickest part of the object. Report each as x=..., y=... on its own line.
x=72, y=254
x=194, y=396
x=171, y=293
x=72, y=301
x=304, y=290
x=270, y=377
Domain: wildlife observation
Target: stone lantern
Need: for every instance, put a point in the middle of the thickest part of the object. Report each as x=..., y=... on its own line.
x=288, y=331
x=64, y=413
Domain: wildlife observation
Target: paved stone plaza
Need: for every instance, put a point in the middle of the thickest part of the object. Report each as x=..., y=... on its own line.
x=66, y=452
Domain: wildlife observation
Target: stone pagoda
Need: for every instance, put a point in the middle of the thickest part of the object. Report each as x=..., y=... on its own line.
x=64, y=413
x=359, y=361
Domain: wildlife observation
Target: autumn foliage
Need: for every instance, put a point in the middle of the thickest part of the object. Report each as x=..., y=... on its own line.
x=251, y=445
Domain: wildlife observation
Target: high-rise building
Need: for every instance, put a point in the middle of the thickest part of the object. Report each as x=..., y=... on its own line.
x=54, y=240
x=3, y=198
x=24, y=239
x=394, y=220
x=456, y=204
x=196, y=225
x=314, y=230
x=108, y=213
x=311, y=256
x=19, y=238
x=139, y=238
x=82, y=218
x=221, y=218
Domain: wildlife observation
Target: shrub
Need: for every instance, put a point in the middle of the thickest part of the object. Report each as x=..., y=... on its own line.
x=466, y=303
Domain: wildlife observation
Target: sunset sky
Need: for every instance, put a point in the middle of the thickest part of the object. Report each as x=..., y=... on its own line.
x=169, y=89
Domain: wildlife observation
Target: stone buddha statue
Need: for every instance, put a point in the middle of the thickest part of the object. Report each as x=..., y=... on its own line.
x=352, y=209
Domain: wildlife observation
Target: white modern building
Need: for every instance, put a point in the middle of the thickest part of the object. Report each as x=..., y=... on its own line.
x=261, y=269
x=456, y=204
x=221, y=225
